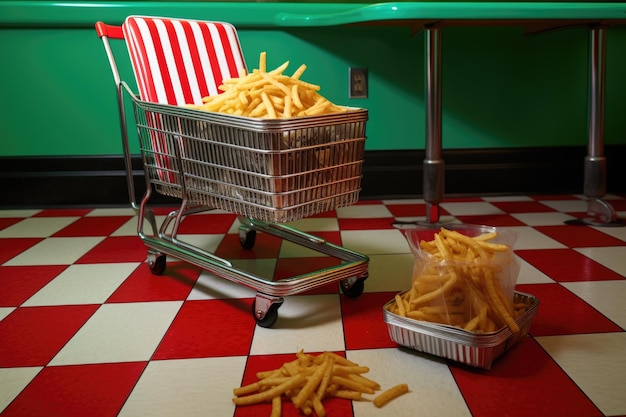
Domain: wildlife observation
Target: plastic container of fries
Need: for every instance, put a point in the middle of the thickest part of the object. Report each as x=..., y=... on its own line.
x=274, y=170
x=462, y=304
x=474, y=349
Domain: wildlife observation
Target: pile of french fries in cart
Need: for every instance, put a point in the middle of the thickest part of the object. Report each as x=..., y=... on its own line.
x=269, y=94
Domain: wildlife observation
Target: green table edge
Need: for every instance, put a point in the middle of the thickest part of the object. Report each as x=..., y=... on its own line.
x=267, y=14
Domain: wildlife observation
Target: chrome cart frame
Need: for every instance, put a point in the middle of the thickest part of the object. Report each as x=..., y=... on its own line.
x=268, y=172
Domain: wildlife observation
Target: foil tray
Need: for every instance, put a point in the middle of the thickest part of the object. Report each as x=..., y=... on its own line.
x=474, y=349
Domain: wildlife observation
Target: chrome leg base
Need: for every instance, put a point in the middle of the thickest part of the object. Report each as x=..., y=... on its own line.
x=601, y=214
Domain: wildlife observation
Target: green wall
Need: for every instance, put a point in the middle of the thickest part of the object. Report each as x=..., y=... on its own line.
x=501, y=88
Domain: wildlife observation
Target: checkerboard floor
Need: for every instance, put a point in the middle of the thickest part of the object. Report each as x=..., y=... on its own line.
x=87, y=330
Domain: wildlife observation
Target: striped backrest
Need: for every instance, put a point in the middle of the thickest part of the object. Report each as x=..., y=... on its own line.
x=178, y=61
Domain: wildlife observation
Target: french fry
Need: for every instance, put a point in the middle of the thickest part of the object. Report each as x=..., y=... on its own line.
x=307, y=381
x=275, y=391
x=390, y=394
x=269, y=94
x=277, y=406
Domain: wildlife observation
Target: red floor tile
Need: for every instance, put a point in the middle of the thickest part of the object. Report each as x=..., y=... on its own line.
x=32, y=336
x=116, y=249
x=363, y=326
x=19, y=283
x=580, y=236
x=98, y=390
x=407, y=210
x=207, y=224
x=524, y=382
x=93, y=226
x=209, y=328
x=618, y=205
x=175, y=284
x=522, y=206
x=163, y=210
x=11, y=247
x=567, y=265
x=561, y=312
x=366, y=224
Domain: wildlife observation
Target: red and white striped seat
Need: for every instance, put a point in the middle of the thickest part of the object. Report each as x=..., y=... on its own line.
x=177, y=61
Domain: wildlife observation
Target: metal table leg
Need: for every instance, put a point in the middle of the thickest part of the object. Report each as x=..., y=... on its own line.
x=601, y=212
x=433, y=165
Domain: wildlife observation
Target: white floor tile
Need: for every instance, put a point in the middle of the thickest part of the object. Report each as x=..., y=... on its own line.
x=5, y=311
x=55, y=251
x=83, y=284
x=316, y=224
x=113, y=211
x=309, y=322
x=389, y=273
x=127, y=229
x=404, y=201
x=206, y=242
x=186, y=387
x=130, y=227
x=37, y=227
x=293, y=250
x=432, y=390
x=471, y=208
x=569, y=206
x=124, y=332
x=596, y=363
x=375, y=242
x=18, y=213
x=543, y=219
x=210, y=287
x=613, y=257
x=605, y=296
x=363, y=211
x=13, y=381
x=530, y=238
x=608, y=196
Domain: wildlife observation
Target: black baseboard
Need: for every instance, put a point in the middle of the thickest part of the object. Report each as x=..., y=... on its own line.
x=101, y=180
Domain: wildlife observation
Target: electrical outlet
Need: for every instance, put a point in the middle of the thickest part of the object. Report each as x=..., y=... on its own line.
x=357, y=83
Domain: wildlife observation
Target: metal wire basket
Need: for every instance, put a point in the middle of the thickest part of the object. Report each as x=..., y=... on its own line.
x=274, y=170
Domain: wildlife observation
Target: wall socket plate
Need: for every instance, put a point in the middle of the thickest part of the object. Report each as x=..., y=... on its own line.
x=357, y=83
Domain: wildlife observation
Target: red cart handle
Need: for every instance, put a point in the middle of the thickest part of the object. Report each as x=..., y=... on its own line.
x=110, y=31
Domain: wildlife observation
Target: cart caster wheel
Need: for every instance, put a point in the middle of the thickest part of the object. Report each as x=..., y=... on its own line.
x=354, y=290
x=270, y=317
x=156, y=263
x=247, y=238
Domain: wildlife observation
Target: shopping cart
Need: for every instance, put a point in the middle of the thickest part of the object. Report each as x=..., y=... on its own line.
x=267, y=171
